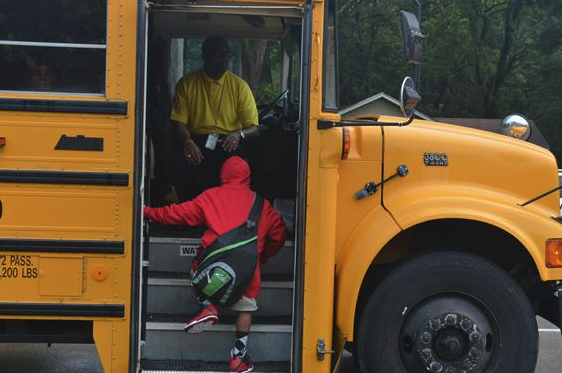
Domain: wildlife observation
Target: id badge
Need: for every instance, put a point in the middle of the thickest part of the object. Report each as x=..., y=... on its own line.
x=212, y=141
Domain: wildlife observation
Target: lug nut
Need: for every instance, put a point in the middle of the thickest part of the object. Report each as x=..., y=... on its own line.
x=468, y=365
x=435, y=324
x=435, y=367
x=474, y=337
x=474, y=354
x=426, y=338
x=426, y=354
x=451, y=319
x=466, y=324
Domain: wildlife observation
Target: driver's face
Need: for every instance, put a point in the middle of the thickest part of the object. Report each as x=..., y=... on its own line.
x=217, y=58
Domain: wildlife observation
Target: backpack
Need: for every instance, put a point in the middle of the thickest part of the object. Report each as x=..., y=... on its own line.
x=227, y=265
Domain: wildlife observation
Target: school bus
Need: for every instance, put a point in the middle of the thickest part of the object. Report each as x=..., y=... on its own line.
x=417, y=245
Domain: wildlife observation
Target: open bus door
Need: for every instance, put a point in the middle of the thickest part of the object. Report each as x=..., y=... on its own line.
x=174, y=32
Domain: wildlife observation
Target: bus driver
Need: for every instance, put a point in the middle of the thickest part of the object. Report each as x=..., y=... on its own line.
x=213, y=110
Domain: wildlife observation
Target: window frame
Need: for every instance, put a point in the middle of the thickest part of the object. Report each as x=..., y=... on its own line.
x=330, y=10
x=90, y=46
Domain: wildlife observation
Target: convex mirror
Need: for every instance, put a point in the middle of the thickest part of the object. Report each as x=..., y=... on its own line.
x=516, y=125
x=409, y=97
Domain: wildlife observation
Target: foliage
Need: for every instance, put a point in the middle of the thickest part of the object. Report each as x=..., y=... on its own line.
x=371, y=58
x=482, y=58
x=255, y=60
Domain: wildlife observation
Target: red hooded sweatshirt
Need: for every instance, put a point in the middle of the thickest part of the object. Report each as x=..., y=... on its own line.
x=223, y=208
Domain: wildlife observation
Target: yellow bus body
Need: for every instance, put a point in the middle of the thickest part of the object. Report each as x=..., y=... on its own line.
x=69, y=222
x=54, y=224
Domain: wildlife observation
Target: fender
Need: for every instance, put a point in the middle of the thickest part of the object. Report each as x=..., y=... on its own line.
x=425, y=204
x=364, y=243
x=531, y=225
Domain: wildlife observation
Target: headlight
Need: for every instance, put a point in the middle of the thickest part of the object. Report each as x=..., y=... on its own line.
x=515, y=125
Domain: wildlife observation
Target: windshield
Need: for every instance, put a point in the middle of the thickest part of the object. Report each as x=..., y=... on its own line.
x=268, y=66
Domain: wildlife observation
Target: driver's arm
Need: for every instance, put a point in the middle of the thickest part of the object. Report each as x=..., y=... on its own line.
x=191, y=151
x=250, y=132
x=182, y=131
x=179, y=118
x=247, y=112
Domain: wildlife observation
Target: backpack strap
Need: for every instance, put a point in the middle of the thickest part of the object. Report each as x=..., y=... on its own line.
x=255, y=212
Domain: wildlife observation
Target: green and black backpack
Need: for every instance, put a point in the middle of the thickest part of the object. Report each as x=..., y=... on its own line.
x=228, y=264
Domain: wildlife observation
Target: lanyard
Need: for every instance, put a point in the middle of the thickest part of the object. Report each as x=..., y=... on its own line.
x=208, y=92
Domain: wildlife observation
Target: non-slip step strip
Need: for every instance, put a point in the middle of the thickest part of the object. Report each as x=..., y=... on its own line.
x=260, y=324
x=269, y=281
x=154, y=239
x=184, y=275
x=175, y=240
x=164, y=366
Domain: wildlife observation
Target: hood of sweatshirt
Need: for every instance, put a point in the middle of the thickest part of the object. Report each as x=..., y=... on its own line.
x=235, y=172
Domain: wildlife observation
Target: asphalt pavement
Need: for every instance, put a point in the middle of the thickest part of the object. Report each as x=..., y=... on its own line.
x=64, y=358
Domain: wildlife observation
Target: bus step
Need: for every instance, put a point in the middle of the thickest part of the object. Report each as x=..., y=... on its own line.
x=176, y=254
x=178, y=366
x=260, y=324
x=269, y=280
x=171, y=292
x=270, y=339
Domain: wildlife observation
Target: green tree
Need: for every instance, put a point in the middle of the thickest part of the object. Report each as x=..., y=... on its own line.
x=482, y=58
x=371, y=49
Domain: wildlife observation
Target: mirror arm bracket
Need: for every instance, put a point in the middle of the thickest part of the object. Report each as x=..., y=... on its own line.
x=327, y=124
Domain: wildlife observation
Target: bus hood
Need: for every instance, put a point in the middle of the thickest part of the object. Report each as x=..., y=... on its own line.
x=444, y=155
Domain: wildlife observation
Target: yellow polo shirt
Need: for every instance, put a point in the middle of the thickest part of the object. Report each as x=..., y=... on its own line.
x=214, y=106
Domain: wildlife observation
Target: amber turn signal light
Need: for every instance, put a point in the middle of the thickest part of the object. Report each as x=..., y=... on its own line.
x=554, y=253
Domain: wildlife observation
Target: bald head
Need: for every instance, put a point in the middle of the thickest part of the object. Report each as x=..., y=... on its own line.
x=213, y=43
x=216, y=55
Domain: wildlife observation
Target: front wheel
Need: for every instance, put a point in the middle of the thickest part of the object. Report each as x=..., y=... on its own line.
x=448, y=312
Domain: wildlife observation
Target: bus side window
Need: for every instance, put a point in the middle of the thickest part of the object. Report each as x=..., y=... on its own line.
x=53, y=46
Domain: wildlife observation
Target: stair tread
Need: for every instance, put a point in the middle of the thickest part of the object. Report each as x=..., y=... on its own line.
x=185, y=276
x=202, y=366
x=168, y=275
x=224, y=319
x=182, y=233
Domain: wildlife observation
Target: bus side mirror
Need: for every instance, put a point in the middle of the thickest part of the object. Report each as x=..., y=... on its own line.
x=409, y=97
x=411, y=33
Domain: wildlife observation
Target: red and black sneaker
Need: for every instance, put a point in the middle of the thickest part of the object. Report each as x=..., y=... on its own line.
x=209, y=316
x=241, y=364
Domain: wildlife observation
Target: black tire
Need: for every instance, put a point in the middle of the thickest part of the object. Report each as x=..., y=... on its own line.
x=448, y=312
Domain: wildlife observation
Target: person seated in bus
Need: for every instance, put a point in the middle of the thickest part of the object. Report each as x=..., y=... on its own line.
x=213, y=111
x=221, y=209
x=38, y=74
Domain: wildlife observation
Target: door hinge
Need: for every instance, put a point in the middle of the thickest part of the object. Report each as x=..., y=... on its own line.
x=321, y=350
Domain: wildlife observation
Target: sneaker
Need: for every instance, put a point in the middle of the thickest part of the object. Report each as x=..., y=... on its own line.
x=209, y=316
x=241, y=364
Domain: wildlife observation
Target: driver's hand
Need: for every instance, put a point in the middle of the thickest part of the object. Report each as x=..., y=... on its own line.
x=192, y=153
x=230, y=142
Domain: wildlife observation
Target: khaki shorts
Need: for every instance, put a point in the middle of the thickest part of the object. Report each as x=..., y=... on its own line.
x=245, y=304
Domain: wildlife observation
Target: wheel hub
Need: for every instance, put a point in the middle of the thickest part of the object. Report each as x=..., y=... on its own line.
x=439, y=340
x=449, y=345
